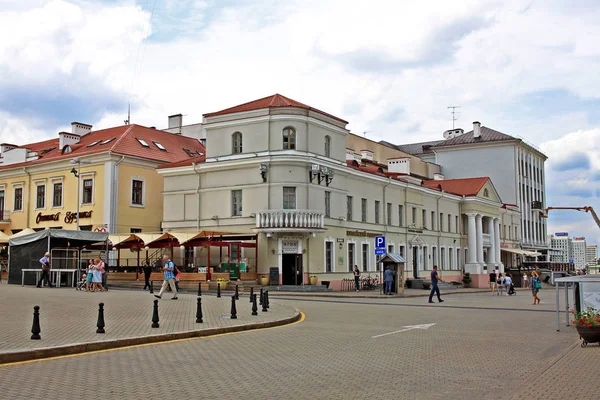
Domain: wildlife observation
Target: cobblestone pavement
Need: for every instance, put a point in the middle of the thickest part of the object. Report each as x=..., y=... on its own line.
x=481, y=347
x=68, y=316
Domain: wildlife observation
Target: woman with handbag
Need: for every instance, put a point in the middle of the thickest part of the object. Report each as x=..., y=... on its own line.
x=536, y=285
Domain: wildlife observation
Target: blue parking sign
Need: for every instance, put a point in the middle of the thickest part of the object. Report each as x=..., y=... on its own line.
x=380, y=242
x=380, y=252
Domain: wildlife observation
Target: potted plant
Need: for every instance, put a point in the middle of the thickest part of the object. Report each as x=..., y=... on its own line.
x=222, y=282
x=466, y=280
x=313, y=279
x=587, y=324
x=263, y=280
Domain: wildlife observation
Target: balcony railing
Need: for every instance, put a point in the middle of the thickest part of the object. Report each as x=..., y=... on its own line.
x=4, y=217
x=290, y=220
x=487, y=239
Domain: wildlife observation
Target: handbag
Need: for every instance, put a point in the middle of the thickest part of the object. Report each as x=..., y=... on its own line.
x=538, y=285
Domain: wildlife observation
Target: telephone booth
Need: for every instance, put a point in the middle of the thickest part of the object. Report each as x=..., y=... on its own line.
x=396, y=263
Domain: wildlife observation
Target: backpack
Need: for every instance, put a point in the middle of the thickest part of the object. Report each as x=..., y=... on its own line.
x=175, y=270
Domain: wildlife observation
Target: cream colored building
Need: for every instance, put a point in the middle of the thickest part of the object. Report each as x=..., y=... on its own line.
x=318, y=196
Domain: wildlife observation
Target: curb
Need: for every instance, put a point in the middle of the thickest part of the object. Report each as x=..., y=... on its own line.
x=73, y=349
x=341, y=296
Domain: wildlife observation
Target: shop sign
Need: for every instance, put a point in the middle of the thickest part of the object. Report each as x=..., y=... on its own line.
x=579, y=238
x=72, y=216
x=362, y=234
x=48, y=217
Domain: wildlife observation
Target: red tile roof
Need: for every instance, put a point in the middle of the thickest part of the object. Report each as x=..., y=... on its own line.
x=273, y=101
x=124, y=143
x=461, y=187
x=185, y=163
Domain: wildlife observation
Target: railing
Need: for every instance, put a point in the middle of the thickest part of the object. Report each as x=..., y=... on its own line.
x=4, y=217
x=299, y=219
x=487, y=239
x=365, y=283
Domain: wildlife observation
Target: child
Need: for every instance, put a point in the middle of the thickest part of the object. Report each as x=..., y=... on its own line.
x=88, y=278
x=82, y=282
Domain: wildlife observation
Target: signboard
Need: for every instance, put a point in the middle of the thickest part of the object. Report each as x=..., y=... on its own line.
x=380, y=252
x=274, y=275
x=561, y=234
x=70, y=217
x=380, y=245
x=579, y=238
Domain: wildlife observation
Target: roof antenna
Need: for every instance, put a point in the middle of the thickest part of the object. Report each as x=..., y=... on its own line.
x=365, y=133
x=454, y=114
x=128, y=120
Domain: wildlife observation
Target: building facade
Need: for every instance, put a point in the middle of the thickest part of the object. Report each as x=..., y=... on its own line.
x=578, y=250
x=560, y=245
x=591, y=254
x=318, y=196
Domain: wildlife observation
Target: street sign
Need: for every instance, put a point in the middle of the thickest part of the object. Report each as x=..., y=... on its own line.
x=379, y=252
x=380, y=242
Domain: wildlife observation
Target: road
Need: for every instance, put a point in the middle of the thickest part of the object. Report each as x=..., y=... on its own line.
x=471, y=346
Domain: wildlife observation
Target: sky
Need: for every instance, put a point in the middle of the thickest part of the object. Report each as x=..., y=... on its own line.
x=525, y=68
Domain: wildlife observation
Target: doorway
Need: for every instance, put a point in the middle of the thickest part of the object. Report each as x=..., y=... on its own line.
x=415, y=262
x=291, y=269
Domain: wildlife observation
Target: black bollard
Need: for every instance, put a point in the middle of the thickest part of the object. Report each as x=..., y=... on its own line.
x=100, y=323
x=267, y=299
x=233, y=310
x=35, y=328
x=254, y=308
x=260, y=300
x=151, y=287
x=219, y=289
x=199, y=288
x=251, y=293
x=199, y=311
x=237, y=293
x=155, y=320
x=264, y=302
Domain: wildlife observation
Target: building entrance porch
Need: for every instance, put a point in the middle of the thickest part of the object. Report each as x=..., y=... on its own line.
x=291, y=269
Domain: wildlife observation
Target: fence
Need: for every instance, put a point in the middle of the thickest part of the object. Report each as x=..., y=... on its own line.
x=365, y=283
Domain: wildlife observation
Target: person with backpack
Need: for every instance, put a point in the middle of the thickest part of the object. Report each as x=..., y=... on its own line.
x=536, y=285
x=356, y=278
x=169, y=270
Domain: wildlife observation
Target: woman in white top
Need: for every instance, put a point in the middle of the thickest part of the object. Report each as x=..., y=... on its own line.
x=525, y=280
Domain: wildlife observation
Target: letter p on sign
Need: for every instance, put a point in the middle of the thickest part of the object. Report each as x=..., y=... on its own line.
x=380, y=242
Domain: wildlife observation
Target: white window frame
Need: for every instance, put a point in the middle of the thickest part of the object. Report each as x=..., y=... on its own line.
x=86, y=176
x=37, y=184
x=441, y=256
x=325, y=241
x=363, y=269
x=450, y=258
x=352, y=262
x=458, y=258
x=393, y=246
x=435, y=255
x=425, y=253
x=233, y=210
x=131, y=203
x=53, y=181
x=15, y=186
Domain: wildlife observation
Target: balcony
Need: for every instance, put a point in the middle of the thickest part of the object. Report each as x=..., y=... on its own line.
x=487, y=240
x=290, y=221
x=4, y=217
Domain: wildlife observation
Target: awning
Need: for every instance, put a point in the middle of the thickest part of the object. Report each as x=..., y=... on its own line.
x=3, y=238
x=25, y=231
x=522, y=252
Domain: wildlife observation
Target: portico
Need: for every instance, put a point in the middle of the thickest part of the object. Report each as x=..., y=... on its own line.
x=483, y=240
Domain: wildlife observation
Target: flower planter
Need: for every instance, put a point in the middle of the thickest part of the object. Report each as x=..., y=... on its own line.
x=263, y=281
x=313, y=280
x=588, y=334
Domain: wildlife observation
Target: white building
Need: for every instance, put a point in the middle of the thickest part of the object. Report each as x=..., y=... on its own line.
x=578, y=251
x=515, y=167
x=560, y=245
x=591, y=254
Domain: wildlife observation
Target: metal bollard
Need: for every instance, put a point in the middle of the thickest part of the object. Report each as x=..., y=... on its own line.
x=267, y=299
x=233, y=310
x=100, y=325
x=237, y=294
x=151, y=287
x=199, y=311
x=199, y=288
x=219, y=289
x=155, y=320
x=254, y=308
x=260, y=300
x=35, y=328
x=264, y=303
x=251, y=293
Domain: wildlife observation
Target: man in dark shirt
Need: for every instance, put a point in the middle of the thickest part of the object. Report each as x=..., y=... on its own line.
x=493, y=277
x=434, y=285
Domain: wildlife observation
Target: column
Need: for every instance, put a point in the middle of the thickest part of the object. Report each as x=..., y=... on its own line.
x=497, y=238
x=472, y=239
x=492, y=231
x=479, y=230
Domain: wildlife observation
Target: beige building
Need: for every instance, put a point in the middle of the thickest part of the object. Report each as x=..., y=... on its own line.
x=318, y=196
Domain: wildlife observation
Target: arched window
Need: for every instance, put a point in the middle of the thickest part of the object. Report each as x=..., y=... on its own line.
x=486, y=193
x=236, y=143
x=289, y=139
x=327, y=146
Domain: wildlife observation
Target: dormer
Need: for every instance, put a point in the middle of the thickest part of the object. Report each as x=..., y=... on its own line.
x=67, y=139
x=366, y=155
x=4, y=147
x=80, y=129
x=349, y=154
x=400, y=165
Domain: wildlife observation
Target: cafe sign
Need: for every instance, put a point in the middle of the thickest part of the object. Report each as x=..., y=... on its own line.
x=70, y=217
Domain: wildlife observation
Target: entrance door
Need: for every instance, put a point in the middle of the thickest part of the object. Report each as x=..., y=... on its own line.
x=415, y=262
x=291, y=269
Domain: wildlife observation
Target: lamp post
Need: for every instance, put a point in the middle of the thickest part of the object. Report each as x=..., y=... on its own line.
x=76, y=173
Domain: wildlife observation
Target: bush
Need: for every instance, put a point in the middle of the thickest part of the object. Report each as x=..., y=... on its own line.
x=466, y=278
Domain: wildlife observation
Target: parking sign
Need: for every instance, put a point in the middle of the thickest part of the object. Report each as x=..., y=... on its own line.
x=380, y=242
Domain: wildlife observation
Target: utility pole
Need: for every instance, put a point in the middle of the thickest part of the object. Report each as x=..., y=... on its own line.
x=454, y=114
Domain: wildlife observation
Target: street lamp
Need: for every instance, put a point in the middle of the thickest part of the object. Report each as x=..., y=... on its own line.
x=77, y=174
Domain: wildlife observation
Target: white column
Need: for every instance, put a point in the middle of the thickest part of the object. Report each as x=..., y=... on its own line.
x=479, y=230
x=497, y=237
x=472, y=239
x=492, y=252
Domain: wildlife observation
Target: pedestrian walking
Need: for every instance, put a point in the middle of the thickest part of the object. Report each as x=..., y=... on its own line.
x=434, y=285
x=493, y=281
x=147, y=273
x=45, y=261
x=525, y=280
x=500, y=282
x=356, y=278
x=89, y=275
x=388, y=278
x=535, y=284
x=97, y=276
x=507, y=283
x=169, y=278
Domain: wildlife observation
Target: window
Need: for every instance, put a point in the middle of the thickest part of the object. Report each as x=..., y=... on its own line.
x=449, y=223
x=327, y=146
x=236, y=143
x=160, y=146
x=143, y=142
x=441, y=222
x=516, y=235
x=365, y=257
x=107, y=141
x=236, y=203
x=57, y=196
x=328, y=256
x=363, y=210
x=443, y=258
x=400, y=215
x=424, y=217
x=289, y=139
x=377, y=204
x=289, y=198
x=137, y=192
x=486, y=193
x=425, y=255
x=402, y=249
x=349, y=203
x=434, y=255
x=433, y=220
x=450, y=258
x=390, y=248
x=458, y=259
x=18, y=199
x=94, y=143
x=414, y=216
x=135, y=230
x=351, y=256
x=41, y=196
x=456, y=225
x=328, y=204
x=88, y=191
x=389, y=213
x=189, y=152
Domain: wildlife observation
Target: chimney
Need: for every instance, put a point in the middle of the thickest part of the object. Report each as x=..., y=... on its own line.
x=476, y=129
x=66, y=138
x=367, y=154
x=80, y=129
x=399, y=165
x=438, y=177
x=176, y=121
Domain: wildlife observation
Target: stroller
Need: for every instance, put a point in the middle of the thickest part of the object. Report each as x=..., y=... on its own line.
x=81, y=283
x=511, y=290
